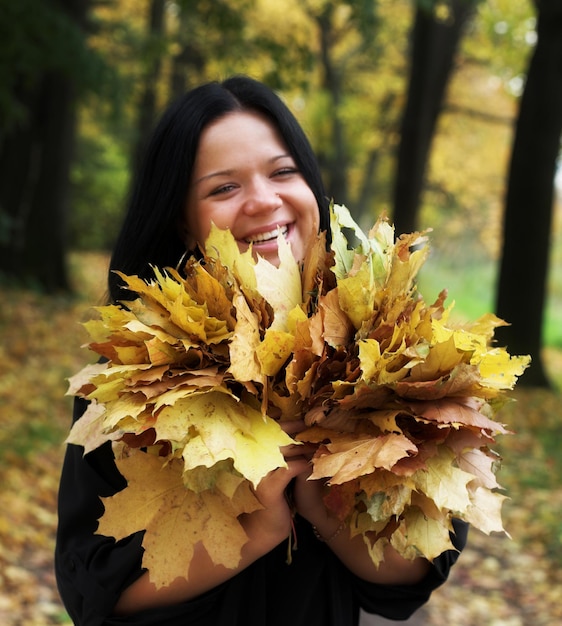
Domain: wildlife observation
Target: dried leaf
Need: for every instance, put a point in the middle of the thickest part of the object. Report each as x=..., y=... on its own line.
x=175, y=518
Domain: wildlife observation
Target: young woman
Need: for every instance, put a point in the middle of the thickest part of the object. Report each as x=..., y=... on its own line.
x=233, y=155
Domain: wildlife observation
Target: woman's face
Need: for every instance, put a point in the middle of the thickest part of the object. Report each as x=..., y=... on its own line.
x=245, y=179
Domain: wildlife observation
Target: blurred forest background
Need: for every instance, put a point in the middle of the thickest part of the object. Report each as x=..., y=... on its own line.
x=443, y=114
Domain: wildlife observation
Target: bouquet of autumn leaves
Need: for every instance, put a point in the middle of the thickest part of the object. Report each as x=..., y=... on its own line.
x=198, y=370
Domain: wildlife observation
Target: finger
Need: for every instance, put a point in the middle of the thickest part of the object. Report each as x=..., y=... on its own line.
x=273, y=485
x=292, y=427
x=295, y=450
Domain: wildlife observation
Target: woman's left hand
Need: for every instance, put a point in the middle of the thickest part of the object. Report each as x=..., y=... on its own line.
x=308, y=500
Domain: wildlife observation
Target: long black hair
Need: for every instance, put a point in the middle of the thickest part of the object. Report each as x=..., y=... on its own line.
x=150, y=234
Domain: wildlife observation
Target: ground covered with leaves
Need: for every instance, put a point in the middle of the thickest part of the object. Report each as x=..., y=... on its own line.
x=498, y=581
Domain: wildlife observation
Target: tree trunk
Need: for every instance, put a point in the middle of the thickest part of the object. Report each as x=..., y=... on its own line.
x=336, y=163
x=189, y=60
x=530, y=196
x=433, y=49
x=148, y=102
x=34, y=179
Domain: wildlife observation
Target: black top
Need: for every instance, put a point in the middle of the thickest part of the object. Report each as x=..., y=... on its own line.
x=314, y=590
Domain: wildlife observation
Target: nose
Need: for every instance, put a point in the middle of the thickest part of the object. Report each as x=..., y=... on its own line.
x=262, y=197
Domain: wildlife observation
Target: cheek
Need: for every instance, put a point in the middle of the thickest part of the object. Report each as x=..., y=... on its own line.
x=198, y=225
x=313, y=213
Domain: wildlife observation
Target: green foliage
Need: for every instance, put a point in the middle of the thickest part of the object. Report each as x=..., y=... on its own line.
x=502, y=38
x=38, y=38
x=99, y=180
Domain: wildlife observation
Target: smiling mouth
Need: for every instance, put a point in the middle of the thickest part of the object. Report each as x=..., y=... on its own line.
x=268, y=236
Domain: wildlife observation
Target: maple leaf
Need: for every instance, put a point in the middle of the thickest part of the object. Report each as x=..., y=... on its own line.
x=499, y=370
x=444, y=483
x=213, y=426
x=481, y=465
x=350, y=459
x=382, y=505
x=356, y=296
x=82, y=381
x=377, y=247
x=456, y=411
x=374, y=365
x=337, y=326
x=244, y=364
x=89, y=431
x=206, y=288
x=175, y=519
x=221, y=245
x=484, y=511
x=421, y=535
x=281, y=286
x=462, y=380
x=273, y=352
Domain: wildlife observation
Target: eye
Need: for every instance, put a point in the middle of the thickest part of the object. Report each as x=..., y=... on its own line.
x=222, y=189
x=286, y=171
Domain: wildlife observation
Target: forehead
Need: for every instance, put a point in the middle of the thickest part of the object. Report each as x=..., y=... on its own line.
x=241, y=130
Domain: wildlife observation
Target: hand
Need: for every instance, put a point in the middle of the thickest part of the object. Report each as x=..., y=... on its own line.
x=307, y=494
x=275, y=519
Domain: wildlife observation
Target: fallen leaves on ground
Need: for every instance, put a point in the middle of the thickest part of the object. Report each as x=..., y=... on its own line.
x=497, y=581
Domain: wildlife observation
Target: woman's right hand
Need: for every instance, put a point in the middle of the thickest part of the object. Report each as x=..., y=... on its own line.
x=266, y=528
x=273, y=523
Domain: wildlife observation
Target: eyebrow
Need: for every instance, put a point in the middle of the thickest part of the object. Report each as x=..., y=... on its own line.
x=232, y=171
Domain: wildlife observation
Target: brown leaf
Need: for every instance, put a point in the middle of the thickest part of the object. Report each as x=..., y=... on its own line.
x=350, y=459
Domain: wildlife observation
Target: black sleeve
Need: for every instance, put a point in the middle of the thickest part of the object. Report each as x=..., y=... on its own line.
x=399, y=602
x=91, y=570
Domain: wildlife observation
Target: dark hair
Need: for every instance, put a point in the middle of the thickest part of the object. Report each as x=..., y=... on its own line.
x=150, y=231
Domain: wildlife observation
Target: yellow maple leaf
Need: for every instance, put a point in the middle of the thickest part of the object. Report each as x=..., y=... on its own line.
x=281, y=286
x=110, y=382
x=421, y=535
x=244, y=364
x=356, y=296
x=499, y=370
x=213, y=427
x=208, y=289
x=391, y=502
x=130, y=405
x=273, y=352
x=175, y=519
x=442, y=358
x=403, y=272
x=376, y=367
x=444, y=483
x=221, y=245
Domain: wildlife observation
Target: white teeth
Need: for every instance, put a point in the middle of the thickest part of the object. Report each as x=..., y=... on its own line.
x=272, y=234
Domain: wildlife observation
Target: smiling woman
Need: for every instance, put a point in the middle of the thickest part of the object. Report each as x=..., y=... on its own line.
x=155, y=229
x=230, y=154
x=255, y=197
